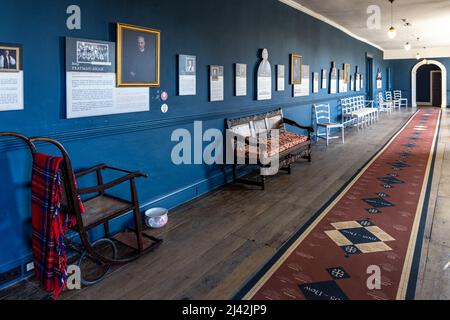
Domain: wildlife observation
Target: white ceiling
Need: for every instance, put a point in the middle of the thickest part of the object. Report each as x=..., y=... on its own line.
x=430, y=20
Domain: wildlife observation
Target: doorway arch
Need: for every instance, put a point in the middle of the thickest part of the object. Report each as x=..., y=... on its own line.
x=414, y=81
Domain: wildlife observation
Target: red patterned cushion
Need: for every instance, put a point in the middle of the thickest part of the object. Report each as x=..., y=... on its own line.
x=288, y=140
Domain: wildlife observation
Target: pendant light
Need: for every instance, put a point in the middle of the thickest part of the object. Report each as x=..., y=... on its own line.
x=408, y=45
x=392, y=32
x=418, y=55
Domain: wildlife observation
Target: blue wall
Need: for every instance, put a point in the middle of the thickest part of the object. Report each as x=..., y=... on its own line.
x=402, y=75
x=217, y=32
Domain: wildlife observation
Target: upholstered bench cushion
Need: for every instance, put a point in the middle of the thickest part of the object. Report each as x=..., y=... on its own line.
x=288, y=140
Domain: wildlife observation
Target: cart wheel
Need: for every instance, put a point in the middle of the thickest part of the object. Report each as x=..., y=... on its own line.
x=93, y=270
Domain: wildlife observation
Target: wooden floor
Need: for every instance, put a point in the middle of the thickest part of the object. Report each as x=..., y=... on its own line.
x=434, y=281
x=214, y=244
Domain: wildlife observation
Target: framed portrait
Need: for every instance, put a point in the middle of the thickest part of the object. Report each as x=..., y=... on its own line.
x=296, y=68
x=10, y=58
x=138, y=56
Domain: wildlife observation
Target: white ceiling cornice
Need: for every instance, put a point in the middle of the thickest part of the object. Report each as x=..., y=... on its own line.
x=320, y=17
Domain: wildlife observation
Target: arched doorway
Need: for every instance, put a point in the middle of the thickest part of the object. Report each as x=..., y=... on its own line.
x=414, y=81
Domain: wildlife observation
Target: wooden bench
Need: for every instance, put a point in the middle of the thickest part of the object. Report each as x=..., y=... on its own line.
x=258, y=138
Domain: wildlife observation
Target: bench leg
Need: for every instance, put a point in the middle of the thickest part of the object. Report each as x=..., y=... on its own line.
x=288, y=169
x=234, y=173
x=263, y=183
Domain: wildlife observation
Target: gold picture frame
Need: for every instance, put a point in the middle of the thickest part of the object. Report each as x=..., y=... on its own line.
x=296, y=68
x=138, y=56
x=15, y=53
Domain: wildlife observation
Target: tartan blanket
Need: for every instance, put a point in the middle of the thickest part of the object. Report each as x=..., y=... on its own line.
x=49, y=223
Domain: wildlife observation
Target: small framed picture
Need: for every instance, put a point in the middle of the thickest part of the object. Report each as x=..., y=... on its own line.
x=346, y=73
x=138, y=56
x=10, y=56
x=296, y=68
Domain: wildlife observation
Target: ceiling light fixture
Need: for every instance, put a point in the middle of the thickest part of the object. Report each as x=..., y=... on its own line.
x=408, y=45
x=392, y=32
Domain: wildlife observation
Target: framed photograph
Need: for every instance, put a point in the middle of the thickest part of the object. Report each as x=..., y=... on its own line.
x=138, y=56
x=10, y=56
x=346, y=73
x=187, y=75
x=324, y=78
x=216, y=84
x=315, y=82
x=280, y=77
x=296, y=68
x=241, y=80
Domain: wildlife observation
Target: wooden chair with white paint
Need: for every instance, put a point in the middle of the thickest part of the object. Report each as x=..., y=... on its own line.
x=324, y=125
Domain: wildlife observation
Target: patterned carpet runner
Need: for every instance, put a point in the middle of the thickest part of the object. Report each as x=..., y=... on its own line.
x=373, y=225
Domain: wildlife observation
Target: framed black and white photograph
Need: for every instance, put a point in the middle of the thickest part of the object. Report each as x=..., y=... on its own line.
x=281, y=77
x=346, y=73
x=241, y=80
x=11, y=77
x=10, y=56
x=216, y=86
x=296, y=68
x=138, y=56
x=379, y=79
x=187, y=71
x=324, y=78
x=315, y=77
x=333, y=80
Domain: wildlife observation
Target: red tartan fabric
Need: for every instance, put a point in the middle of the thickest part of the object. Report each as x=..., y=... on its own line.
x=49, y=223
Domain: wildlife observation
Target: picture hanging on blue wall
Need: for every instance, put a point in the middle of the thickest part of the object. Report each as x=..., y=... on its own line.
x=216, y=83
x=241, y=80
x=138, y=56
x=187, y=75
x=296, y=68
x=91, y=82
x=11, y=77
x=324, y=78
x=333, y=79
x=264, y=81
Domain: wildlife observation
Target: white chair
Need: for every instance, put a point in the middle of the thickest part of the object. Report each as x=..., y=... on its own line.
x=398, y=97
x=390, y=98
x=384, y=106
x=323, y=124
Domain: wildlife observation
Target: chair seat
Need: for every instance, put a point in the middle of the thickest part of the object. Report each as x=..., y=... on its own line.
x=330, y=125
x=102, y=208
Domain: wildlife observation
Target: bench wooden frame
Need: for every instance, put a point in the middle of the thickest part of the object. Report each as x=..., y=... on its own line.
x=273, y=120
